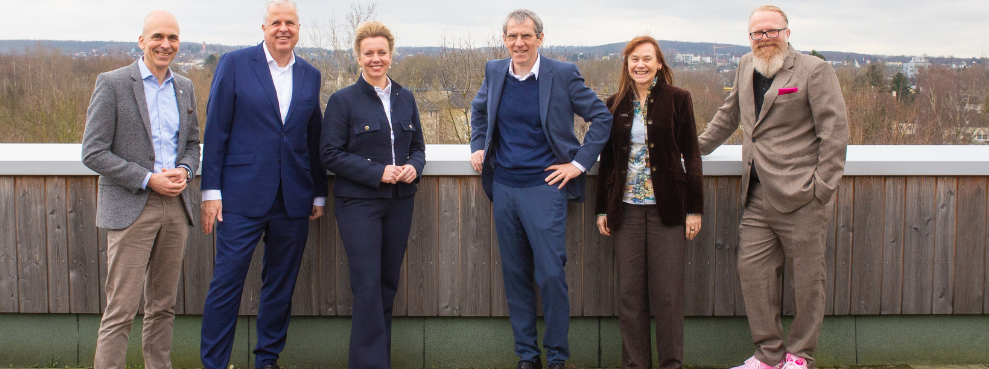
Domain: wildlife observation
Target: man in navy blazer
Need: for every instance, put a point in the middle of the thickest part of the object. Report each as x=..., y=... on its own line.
x=261, y=176
x=531, y=164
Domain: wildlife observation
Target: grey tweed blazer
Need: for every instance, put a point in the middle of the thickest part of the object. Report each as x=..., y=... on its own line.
x=117, y=143
x=797, y=141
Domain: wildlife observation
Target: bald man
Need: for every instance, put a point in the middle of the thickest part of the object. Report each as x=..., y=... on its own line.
x=142, y=137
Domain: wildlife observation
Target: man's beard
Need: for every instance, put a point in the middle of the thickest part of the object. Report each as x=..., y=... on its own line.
x=769, y=61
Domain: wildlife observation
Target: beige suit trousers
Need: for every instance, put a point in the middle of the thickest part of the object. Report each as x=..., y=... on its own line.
x=768, y=237
x=146, y=256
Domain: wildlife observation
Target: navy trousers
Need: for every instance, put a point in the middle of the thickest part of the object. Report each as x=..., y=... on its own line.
x=531, y=226
x=236, y=238
x=375, y=233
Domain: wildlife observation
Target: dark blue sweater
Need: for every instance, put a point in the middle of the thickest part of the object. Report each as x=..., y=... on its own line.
x=522, y=152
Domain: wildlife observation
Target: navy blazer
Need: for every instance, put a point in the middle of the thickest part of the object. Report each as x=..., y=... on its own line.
x=562, y=93
x=356, y=141
x=247, y=151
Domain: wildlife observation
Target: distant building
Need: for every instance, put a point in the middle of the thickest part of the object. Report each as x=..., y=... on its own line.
x=910, y=67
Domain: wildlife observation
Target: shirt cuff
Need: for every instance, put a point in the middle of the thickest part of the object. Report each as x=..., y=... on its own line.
x=581, y=167
x=211, y=195
x=147, y=178
x=319, y=201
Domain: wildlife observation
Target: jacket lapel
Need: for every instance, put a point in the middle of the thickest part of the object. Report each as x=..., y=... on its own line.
x=494, y=93
x=264, y=76
x=745, y=92
x=545, y=87
x=782, y=77
x=183, y=104
x=140, y=98
x=298, y=75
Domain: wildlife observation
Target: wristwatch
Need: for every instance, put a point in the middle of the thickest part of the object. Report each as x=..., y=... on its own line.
x=188, y=177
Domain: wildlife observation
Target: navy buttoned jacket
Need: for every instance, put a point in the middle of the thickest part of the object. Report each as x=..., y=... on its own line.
x=356, y=141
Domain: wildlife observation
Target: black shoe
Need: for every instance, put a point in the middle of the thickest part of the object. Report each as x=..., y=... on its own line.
x=271, y=366
x=525, y=364
x=558, y=365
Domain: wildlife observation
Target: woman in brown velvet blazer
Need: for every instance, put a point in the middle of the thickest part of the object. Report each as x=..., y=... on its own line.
x=650, y=202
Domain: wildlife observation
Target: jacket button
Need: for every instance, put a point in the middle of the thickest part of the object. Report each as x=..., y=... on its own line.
x=279, y=160
x=368, y=159
x=753, y=139
x=283, y=135
x=367, y=128
x=652, y=168
x=410, y=126
x=651, y=145
x=152, y=157
x=650, y=122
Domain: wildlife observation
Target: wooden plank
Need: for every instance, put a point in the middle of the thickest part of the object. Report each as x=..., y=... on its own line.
x=499, y=301
x=739, y=299
x=725, y=226
x=893, y=216
x=8, y=246
x=829, y=253
x=328, y=256
x=84, y=270
x=918, y=244
x=475, y=248
x=599, y=268
x=700, y=257
x=57, y=248
x=197, y=269
x=305, y=298
x=448, y=242
x=422, y=253
x=32, y=246
x=250, y=301
x=843, y=246
x=345, y=295
x=944, y=245
x=574, y=239
x=867, y=252
x=971, y=246
x=400, y=306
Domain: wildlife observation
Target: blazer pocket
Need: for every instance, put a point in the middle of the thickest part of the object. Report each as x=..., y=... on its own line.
x=238, y=159
x=407, y=125
x=366, y=126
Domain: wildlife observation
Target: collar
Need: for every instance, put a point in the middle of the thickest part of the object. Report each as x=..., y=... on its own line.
x=145, y=72
x=270, y=59
x=534, y=72
x=377, y=89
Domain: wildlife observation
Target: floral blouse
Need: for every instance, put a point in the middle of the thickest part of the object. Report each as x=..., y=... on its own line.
x=638, y=183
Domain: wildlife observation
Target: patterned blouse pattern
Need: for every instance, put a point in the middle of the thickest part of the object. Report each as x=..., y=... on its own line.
x=638, y=182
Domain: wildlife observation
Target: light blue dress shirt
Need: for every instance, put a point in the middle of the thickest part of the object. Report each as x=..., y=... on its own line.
x=163, y=112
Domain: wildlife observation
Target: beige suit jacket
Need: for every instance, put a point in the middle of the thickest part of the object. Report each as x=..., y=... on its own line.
x=798, y=141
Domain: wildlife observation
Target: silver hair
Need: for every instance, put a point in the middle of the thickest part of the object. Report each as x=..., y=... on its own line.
x=264, y=16
x=520, y=15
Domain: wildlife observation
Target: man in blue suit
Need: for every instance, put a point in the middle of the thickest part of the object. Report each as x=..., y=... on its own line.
x=531, y=164
x=261, y=176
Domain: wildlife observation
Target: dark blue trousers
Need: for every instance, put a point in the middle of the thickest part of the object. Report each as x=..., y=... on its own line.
x=375, y=233
x=236, y=238
x=531, y=226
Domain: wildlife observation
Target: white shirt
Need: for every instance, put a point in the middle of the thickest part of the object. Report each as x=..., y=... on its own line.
x=282, y=78
x=385, y=95
x=535, y=74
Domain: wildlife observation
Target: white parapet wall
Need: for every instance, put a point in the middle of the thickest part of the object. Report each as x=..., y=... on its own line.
x=454, y=160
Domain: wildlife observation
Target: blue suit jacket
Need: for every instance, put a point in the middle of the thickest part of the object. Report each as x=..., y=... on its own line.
x=562, y=94
x=356, y=142
x=247, y=151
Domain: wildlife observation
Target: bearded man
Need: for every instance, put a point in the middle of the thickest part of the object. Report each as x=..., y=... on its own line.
x=794, y=136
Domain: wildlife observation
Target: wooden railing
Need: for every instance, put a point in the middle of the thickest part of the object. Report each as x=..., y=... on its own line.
x=907, y=236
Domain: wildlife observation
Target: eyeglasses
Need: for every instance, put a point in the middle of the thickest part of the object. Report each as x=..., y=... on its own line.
x=527, y=37
x=770, y=33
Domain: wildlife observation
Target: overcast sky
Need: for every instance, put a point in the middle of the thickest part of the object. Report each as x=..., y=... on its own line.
x=892, y=27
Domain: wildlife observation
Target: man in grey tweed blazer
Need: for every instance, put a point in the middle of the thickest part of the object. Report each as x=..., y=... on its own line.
x=794, y=136
x=142, y=137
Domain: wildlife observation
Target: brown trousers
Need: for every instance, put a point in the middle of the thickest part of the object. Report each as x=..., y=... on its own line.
x=769, y=237
x=650, y=258
x=147, y=256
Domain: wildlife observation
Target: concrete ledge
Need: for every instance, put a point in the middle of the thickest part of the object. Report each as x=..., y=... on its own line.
x=454, y=160
x=59, y=340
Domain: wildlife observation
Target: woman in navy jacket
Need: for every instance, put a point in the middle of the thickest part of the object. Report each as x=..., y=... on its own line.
x=372, y=141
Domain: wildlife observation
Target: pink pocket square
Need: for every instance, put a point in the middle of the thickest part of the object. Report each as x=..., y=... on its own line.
x=787, y=91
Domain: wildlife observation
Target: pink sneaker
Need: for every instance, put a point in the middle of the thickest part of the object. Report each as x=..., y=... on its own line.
x=753, y=363
x=794, y=362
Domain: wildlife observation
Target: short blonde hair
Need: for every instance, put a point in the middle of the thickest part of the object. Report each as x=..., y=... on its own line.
x=770, y=8
x=372, y=29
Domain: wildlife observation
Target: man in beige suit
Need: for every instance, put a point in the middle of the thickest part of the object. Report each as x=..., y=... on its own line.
x=794, y=135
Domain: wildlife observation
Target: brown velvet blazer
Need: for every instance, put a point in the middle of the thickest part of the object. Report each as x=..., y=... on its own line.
x=670, y=134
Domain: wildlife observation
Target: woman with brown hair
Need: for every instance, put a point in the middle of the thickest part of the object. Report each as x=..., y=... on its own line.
x=650, y=201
